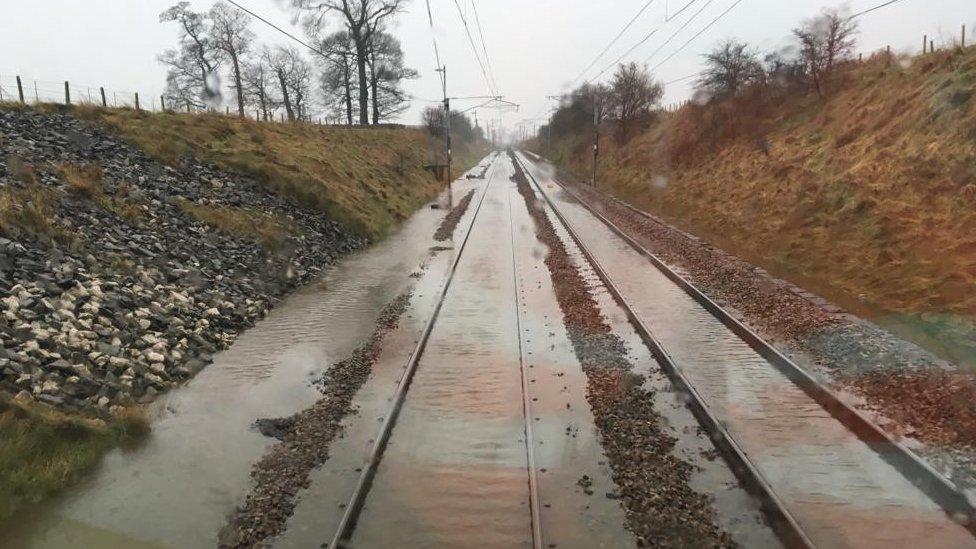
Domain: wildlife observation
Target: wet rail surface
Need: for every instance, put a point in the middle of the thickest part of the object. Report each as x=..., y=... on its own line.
x=836, y=489
x=495, y=431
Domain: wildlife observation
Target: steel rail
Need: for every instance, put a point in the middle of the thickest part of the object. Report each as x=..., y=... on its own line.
x=782, y=521
x=922, y=475
x=526, y=400
x=348, y=522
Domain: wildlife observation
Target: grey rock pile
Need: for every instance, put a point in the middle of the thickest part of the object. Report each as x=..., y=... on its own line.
x=132, y=308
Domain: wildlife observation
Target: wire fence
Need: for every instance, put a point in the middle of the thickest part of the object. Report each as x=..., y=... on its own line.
x=15, y=88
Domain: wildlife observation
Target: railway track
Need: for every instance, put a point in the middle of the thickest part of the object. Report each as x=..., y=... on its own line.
x=854, y=478
x=354, y=509
x=793, y=513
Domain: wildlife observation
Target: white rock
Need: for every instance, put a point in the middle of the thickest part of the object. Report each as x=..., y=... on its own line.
x=11, y=303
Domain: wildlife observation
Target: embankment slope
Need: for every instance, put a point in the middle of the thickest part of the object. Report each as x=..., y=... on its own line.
x=134, y=246
x=866, y=195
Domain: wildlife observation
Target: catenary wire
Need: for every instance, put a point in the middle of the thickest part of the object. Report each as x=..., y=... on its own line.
x=677, y=32
x=699, y=33
x=474, y=48
x=612, y=42
x=484, y=48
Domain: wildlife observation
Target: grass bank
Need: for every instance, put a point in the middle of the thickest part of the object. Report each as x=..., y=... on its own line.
x=368, y=179
x=867, y=195
x=45, y=451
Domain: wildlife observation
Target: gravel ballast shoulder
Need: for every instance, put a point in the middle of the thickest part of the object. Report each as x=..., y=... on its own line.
x=304, y=441
x=662, y=509
x=911, y=392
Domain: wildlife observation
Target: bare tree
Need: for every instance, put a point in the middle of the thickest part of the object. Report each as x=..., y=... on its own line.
x=258, y=83
x=278, y=62
x=362, y=19
x=299, y=84
x=728, y=68
x=633, y=94
x=433, y=120
x=386, y=75
x=338, y=81
x=824, y=42
x=292, y=75
x=576, y=109
x=232, y=36
x=192, y=77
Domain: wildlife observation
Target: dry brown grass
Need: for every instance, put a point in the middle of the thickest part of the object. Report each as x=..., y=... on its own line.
x=87, y=181
x=870, y=191
x=84, y=179
x=31, y=209
x=271, y=231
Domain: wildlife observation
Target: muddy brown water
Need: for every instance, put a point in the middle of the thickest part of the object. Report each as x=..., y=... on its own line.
x=178, y=488
x=842, y=492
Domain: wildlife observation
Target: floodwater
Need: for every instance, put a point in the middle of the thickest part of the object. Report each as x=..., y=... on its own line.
x=842, y=493
x=736, y=511
x=457, y=469
x=320, y=507
x=178, y=488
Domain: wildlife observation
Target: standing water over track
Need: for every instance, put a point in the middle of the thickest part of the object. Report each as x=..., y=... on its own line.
x=178, y=488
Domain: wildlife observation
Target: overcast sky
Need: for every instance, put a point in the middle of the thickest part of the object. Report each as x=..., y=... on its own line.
x=536, y=47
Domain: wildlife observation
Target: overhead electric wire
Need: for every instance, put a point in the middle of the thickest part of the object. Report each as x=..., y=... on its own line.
x=683, y=78
x=677, y=32
x=668, y=18
x=612, y=42
x=699, y=33
x=277, y=28
x=869, y=10
x=626, y=53
x=433, y=39
x=474, y=48
x=484, y=48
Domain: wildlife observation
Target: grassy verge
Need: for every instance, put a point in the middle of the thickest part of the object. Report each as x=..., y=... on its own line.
x=369, y=179
x=44, y=451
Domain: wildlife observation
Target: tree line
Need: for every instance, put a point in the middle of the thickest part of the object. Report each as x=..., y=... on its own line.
x=356, y=74
x=632, y=98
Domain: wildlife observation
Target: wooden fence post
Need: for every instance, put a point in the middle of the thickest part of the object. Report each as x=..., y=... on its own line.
x=162, y=102
x=67, y=93
x=964, y=36
x=137, y=101
x=925, y=42
x=101, y=90
x=932, y=46
x=20, y=90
